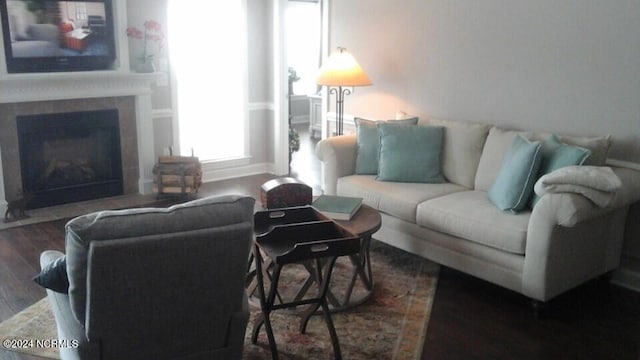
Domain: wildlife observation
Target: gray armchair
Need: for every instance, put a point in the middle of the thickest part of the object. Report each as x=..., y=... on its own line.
x=156, y=283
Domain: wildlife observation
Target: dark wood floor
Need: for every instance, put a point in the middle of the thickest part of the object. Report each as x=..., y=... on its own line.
x=20, y=249
x=471, y=319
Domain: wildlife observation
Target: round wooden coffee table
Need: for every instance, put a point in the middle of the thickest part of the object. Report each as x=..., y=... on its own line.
x=364, y=224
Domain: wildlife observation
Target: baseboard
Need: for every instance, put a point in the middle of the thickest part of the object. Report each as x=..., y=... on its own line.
x=300, y=119
x=627, y=278
x=162, y=113
x=257, y=106
x=210, y=174
x=236, y=171
x=145, y=186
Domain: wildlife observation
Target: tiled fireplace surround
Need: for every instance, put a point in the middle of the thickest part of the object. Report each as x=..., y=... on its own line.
x=127, y=92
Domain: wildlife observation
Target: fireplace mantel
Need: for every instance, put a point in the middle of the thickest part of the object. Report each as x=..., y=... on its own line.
x=21, y=88
x=77, y=85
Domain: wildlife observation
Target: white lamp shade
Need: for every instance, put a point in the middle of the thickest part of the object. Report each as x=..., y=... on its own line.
x=342, y=69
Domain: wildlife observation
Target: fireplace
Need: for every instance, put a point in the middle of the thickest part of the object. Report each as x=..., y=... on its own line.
x=69, y=157
x=66, y=93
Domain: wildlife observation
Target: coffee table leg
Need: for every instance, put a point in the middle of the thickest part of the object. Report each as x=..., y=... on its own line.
x=323, y=286
x=266, y=304
x=361, y=268
x=367, y=245
x=309, y=281
x=272, y=340
x=365, y=263
x=325, y=307
x=332, y=331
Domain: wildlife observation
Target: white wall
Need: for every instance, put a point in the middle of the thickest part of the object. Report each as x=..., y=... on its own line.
x=570, y=66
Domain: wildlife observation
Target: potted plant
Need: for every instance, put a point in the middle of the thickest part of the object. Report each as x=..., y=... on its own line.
x=294, y=140
x=152, y=34
x=294, y=137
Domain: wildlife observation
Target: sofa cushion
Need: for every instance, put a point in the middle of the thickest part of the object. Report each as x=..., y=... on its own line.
x=556, y=155
x=463, y=143
x=498, y=142
x=495, y=148
x=470, y=215
x=368, y=142
x=393, y=198
x=598, y=145
x=44, y=32
x=513, y=187
x=410, y=153
x=141, y=222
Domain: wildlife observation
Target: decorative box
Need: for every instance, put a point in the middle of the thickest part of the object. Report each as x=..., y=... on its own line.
x=285, y=192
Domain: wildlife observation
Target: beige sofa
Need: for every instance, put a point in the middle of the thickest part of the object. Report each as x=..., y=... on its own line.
x=565, y=240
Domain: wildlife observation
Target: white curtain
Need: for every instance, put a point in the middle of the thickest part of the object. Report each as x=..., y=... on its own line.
x=208, y=54
x=303, y=43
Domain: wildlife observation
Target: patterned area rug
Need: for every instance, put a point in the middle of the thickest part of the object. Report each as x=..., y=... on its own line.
x=391, y=324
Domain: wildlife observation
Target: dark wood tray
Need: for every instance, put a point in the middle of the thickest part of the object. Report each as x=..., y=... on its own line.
x=301, y=233
x=264, y=221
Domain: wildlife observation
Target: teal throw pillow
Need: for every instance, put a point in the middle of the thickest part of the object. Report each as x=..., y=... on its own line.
x=514, y=184
x=556, y=155
x=368, y=141
x=410, y=153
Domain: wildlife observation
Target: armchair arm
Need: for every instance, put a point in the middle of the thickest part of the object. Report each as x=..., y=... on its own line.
x=338, y=157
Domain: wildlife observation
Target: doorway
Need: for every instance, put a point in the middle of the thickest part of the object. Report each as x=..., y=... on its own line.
x=303, y=52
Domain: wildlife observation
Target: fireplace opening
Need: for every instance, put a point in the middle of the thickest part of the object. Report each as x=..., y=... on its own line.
x=70, y=157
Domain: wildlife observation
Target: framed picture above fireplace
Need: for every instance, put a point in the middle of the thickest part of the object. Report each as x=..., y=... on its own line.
x=55, y=35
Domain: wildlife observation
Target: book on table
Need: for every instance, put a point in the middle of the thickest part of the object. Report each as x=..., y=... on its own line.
x=337, y=207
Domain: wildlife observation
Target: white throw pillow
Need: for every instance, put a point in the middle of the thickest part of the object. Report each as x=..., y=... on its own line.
x=463, y=144
x=493, y=153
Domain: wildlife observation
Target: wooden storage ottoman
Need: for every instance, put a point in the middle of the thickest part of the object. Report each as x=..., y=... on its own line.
x=177, y=175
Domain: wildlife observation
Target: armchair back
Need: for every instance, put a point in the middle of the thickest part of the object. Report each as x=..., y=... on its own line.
x=163, y=283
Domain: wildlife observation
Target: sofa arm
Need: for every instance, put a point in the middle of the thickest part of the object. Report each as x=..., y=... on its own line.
x=568, y=209
x=565, y=209
x=571, y=240
x=338, y=157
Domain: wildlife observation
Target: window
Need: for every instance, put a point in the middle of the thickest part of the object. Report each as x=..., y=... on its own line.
x=81, y=11
x=207, y=45
x=303, y=43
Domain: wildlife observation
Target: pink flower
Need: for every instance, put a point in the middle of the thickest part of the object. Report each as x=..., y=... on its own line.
x=134, y=33
x=152, y=32
x=152, y=25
